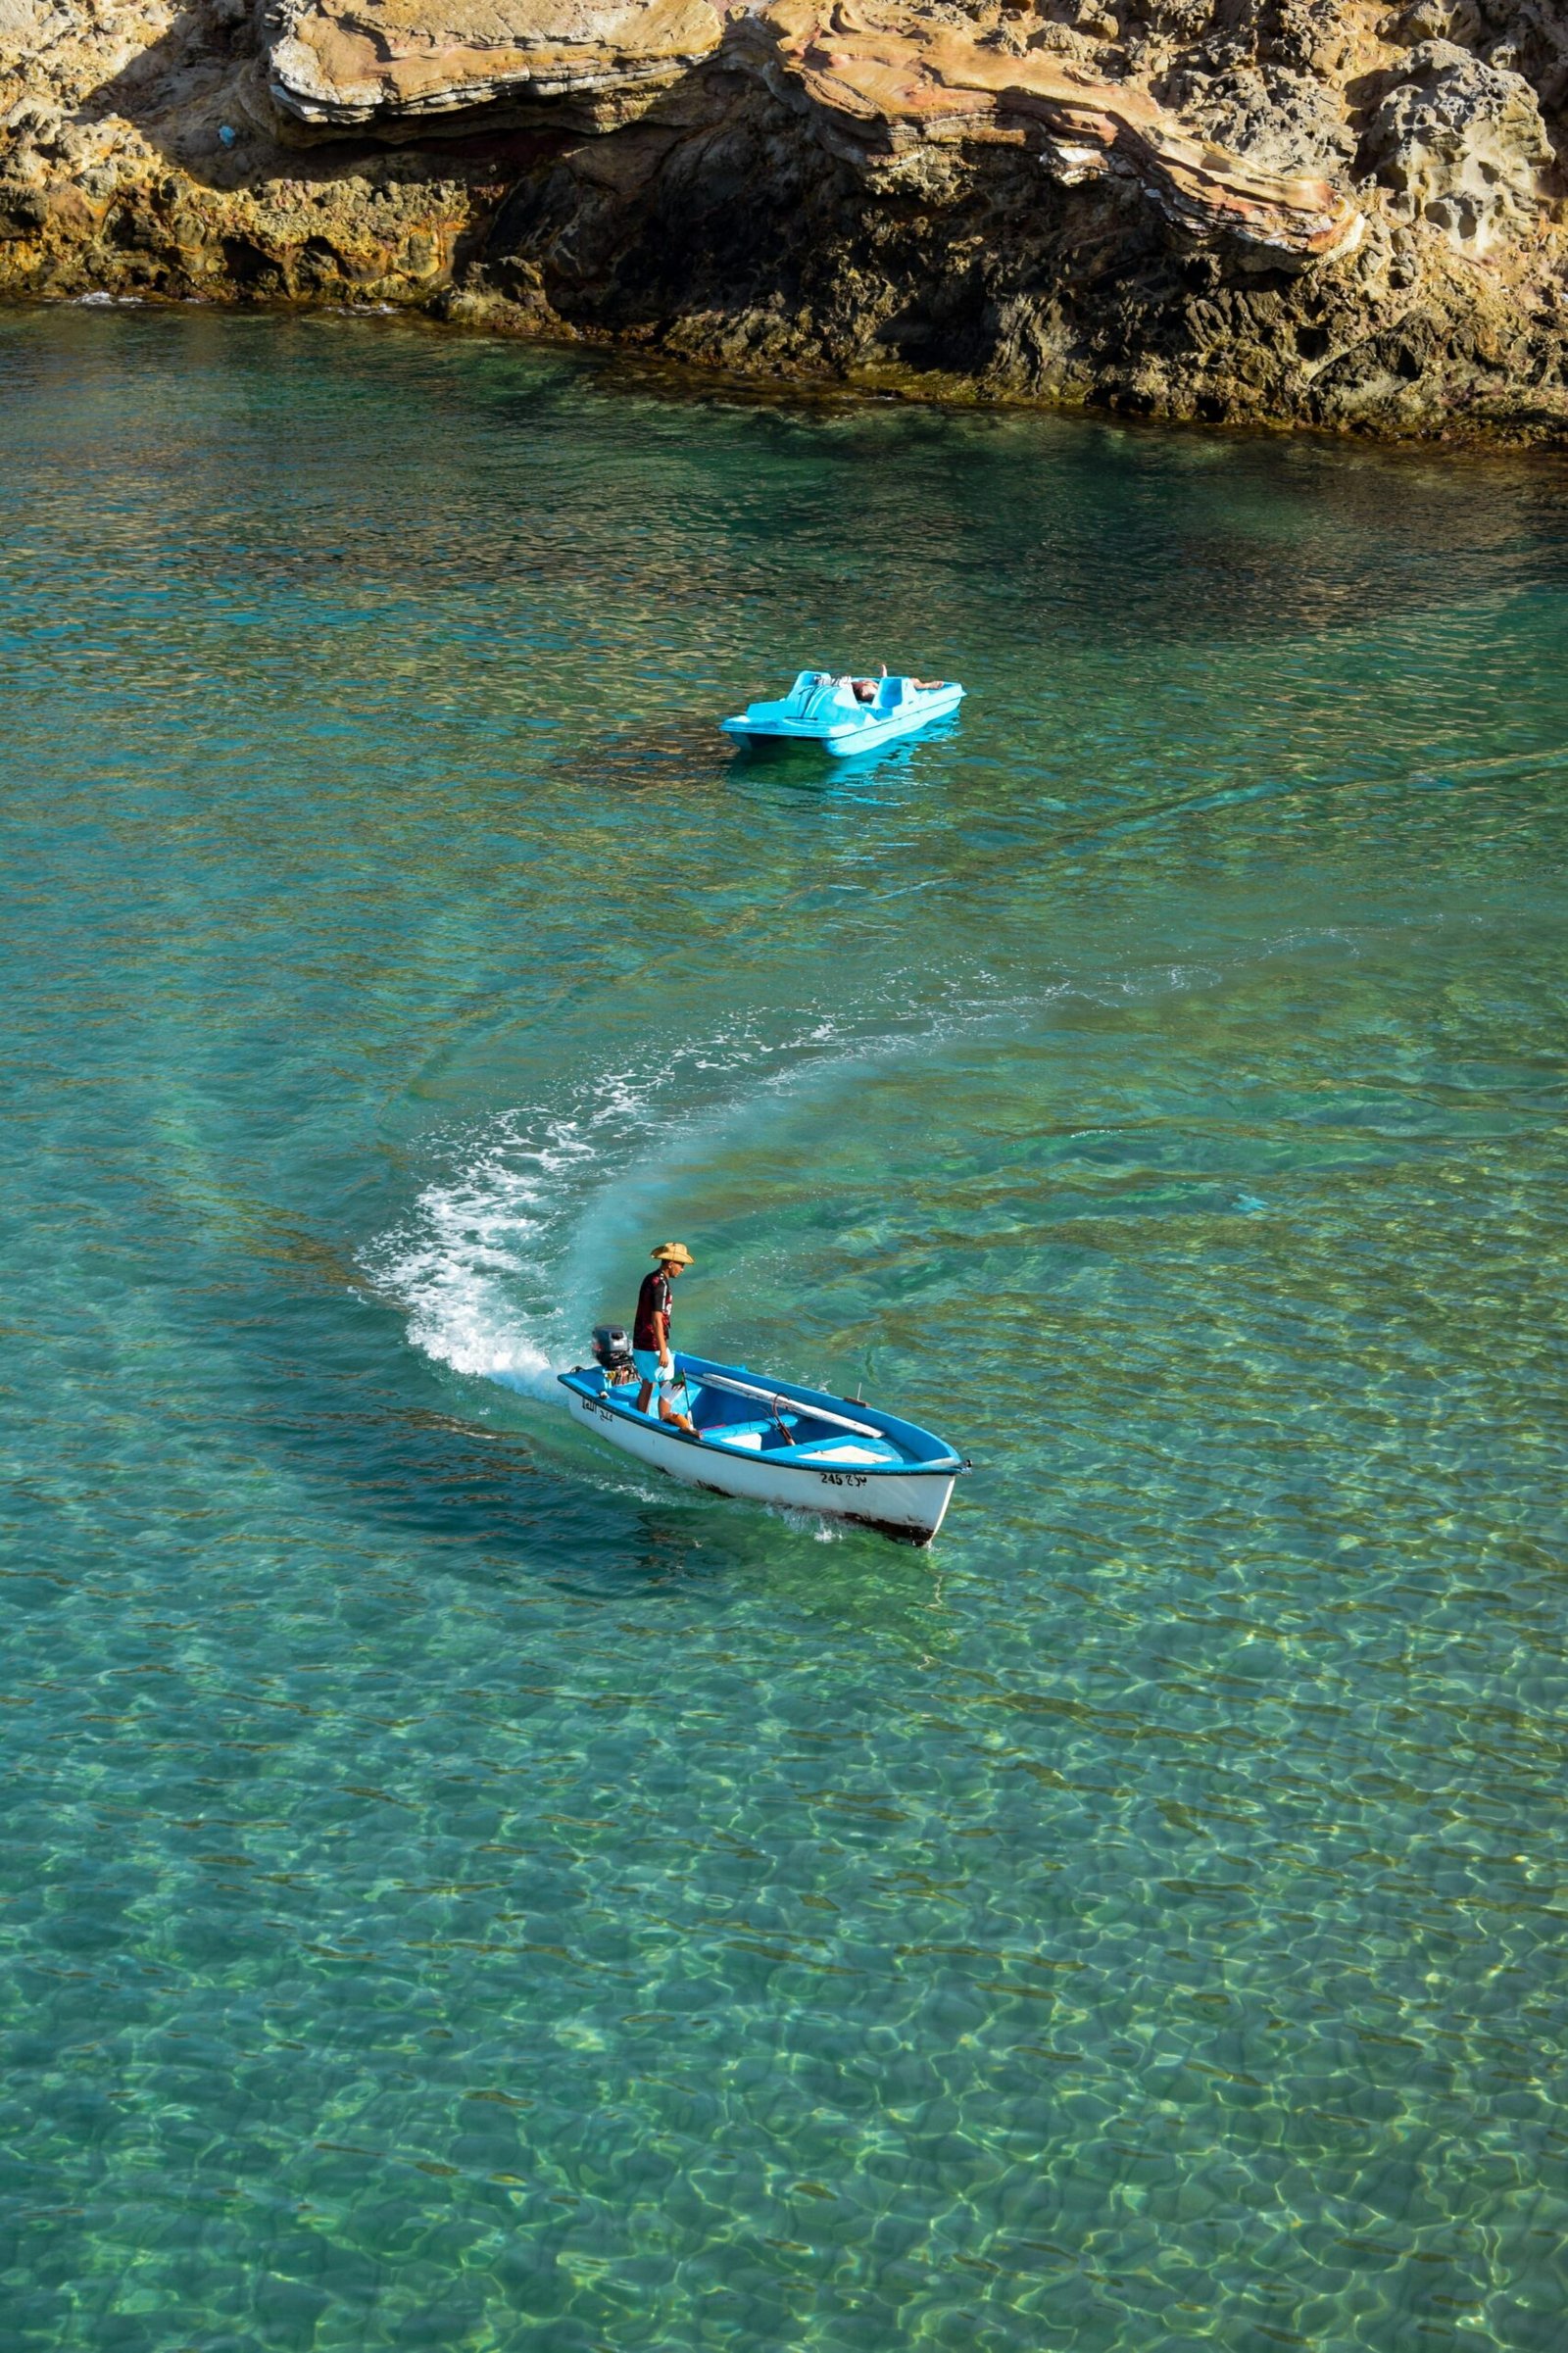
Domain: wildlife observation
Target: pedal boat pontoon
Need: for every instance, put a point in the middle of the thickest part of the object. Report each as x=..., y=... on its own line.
x=772, y=1441
x=820, y=708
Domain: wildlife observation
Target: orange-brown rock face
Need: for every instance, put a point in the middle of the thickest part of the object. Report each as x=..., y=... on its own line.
x=1292, y=210
x=379, y=61
x=887, y=77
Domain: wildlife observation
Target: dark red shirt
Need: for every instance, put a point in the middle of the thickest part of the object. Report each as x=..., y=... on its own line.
x=653, y=1300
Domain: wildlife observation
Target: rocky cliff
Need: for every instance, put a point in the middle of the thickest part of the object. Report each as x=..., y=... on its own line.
x=1310, y=211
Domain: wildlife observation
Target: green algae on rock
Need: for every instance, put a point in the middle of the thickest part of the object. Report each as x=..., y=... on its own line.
x=1310, y=213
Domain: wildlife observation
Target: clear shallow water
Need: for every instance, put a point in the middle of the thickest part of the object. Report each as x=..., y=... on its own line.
x=456, y=1895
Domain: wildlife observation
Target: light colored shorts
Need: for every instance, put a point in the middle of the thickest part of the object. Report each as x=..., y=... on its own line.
x=647, y=1364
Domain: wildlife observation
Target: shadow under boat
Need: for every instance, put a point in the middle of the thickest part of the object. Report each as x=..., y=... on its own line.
x=810, y=768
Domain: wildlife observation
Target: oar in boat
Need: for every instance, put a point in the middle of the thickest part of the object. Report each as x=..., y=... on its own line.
x=776, y=1400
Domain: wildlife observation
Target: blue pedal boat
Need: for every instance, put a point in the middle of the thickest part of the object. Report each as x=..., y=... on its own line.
x=846, y=715
x=772, y=1441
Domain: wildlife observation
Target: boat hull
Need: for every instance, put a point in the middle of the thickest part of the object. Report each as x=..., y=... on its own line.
x=833, y=733
x=909, y=1506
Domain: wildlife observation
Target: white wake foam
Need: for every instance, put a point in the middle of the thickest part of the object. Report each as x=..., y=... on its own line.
x=496, y=1266
x=500, y=1263
x=467, y=1263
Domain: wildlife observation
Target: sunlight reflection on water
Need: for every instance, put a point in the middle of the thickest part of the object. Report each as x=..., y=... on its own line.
x=462, y=1894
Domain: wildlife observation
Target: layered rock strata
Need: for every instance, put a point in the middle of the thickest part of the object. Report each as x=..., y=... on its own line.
x=882, y=80
x=1284, y=210
x=387, y=61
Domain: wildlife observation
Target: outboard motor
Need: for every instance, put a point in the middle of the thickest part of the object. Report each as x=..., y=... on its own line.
x=612, y=1351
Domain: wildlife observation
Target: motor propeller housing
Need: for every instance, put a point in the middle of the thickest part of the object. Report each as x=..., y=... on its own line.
x=612, y=1350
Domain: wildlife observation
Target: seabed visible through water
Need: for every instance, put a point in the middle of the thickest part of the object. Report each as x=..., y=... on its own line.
x=458, y=1896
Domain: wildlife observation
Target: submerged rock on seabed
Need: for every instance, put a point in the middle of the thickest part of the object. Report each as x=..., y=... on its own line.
x=1278, y=210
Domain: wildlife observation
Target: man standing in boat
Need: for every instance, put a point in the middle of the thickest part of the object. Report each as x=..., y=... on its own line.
x=651, y=1351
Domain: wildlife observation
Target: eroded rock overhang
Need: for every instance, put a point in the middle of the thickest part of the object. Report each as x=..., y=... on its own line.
x=885, y=80
x=382, y=63
x=877, y=80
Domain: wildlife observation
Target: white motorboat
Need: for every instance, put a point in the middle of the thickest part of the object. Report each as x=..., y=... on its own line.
x=775, y=1441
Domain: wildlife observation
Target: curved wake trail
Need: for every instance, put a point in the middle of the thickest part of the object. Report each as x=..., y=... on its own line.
x=462, y=1263
x=499, y=1265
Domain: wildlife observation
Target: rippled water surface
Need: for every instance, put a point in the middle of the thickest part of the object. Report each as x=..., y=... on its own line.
x=459, y=1895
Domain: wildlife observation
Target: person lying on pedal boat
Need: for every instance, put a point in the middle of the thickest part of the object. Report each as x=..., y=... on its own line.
x=649, y=1336
x=866, y=690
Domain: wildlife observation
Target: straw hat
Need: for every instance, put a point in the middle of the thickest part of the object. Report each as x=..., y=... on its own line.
x=672, y=1249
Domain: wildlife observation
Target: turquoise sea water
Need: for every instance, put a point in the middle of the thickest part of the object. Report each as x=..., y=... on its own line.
x=459, y=1895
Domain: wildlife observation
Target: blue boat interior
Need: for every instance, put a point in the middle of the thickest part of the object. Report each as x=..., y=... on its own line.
x=826, y=701
x=815, y=693
x=723, y=1419
x=737, y=1411
x=734, y=1421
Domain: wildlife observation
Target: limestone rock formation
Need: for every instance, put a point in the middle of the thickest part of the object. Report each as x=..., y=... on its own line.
x=1462, y=144
x=881, y=79
x=1290, y=210
x=380, y=60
